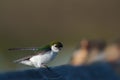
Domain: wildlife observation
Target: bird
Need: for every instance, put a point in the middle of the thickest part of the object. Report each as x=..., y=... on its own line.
x=42, y=56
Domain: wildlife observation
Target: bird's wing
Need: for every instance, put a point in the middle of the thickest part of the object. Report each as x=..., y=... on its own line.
x=32, y=49
x=36, y=49
x=40, y=50
x=43, y=49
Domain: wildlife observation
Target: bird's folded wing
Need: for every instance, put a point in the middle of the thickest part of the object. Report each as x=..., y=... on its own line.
x=32, y=49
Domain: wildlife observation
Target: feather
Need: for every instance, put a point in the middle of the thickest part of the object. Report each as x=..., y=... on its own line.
x=32, y=49
x=22, y=59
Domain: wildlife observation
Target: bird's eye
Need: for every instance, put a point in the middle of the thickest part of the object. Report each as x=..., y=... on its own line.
x=60, y=48
x=56, y=46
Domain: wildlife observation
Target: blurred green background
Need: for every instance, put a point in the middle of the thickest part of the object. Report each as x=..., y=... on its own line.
x=27, y=23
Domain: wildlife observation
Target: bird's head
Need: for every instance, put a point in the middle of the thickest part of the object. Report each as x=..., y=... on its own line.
x=56, y=46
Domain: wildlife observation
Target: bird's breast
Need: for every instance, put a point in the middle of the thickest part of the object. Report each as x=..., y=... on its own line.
x=48, y=57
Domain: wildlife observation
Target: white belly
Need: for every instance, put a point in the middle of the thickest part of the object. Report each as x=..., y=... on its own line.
x=42, y=58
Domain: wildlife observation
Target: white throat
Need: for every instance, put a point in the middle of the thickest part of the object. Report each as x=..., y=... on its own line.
x=54, y=48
